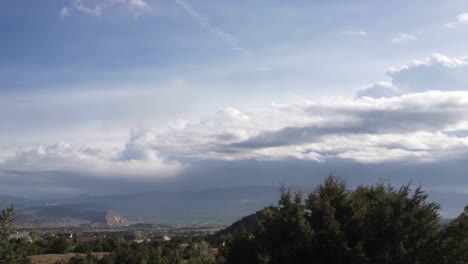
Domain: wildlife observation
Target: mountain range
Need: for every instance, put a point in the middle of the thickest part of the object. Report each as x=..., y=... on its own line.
x=221, y=205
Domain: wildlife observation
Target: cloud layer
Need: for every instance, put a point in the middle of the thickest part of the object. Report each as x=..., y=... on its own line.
x=418, y=118
x=132, y=162
x=412, y=128
x=416, y=126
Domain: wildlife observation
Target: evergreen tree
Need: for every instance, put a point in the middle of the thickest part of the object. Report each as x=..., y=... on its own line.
x=330, y=216
x=396, y=226
x=371, y=224
x=10, y=253
x=454, y=241
x=285, y=235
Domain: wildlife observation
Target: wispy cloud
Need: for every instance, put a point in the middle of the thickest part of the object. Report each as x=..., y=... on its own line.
x=359, y=33
x=80, y=6
x=461, y=19
x=64, y=12
x=141, y=4
x=403, y=37
x=137, y=6
x=203, y=21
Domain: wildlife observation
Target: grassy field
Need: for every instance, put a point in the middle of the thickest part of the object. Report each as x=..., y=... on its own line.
x=54, y=258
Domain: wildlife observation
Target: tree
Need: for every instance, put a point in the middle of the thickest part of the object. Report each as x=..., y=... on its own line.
x=282, y=235
x=291, y=234
x=396, y=225
x=202, y=254
x=241, y=248
x=370, y=224
x=454, y=241
x=10, y=253
x=59, y=245
x=331, y=218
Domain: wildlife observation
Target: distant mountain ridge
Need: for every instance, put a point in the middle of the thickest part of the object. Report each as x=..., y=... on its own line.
x=221, y=205
x=218, y=205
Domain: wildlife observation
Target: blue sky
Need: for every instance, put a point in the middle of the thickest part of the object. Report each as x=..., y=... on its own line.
x=144, y=93
x=164, y=41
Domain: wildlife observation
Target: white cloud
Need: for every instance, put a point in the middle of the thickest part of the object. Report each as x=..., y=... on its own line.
x=403, y=38
x=418, y=117
x=80, y=6
x=436, y=73
x=409, y=128
x=451, y=25
x=64, y=157
x=96, y=9
x=462, y=18
x=140, y=4
x=412, y=128
x=64, y=12
x=377, y=90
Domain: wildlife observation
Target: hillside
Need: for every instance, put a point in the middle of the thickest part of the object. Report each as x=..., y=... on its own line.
x=246, y=224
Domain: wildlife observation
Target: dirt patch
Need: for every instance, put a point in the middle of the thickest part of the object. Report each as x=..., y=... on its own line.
x=54, y=258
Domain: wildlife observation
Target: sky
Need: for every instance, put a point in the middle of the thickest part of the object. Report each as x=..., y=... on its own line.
x=120, y=96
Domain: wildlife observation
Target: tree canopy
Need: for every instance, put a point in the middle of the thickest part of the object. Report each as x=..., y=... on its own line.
x=370, y=224
x=333, y=224
x=10, y=253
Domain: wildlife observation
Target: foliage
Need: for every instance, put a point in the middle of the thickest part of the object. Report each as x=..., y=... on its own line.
x=454, y=241
x=371, y=224
x=331, y=225
x=10, y=252
x=59, y=245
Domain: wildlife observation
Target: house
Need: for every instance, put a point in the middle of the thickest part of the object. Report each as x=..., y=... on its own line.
x=141, y=240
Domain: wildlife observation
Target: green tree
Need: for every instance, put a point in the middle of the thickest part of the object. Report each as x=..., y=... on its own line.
x=10, y=252
x=370, y=224
x=331, y=218
x=282, y=235
x=202, y=254
x=397, y=225
x=454, y=241
x=241, y=248
x=59, y=245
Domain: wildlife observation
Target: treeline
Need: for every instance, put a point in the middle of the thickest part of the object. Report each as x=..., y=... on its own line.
x=11, y=252
x=151, y=253
x=367, y=225
x=331, y=225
